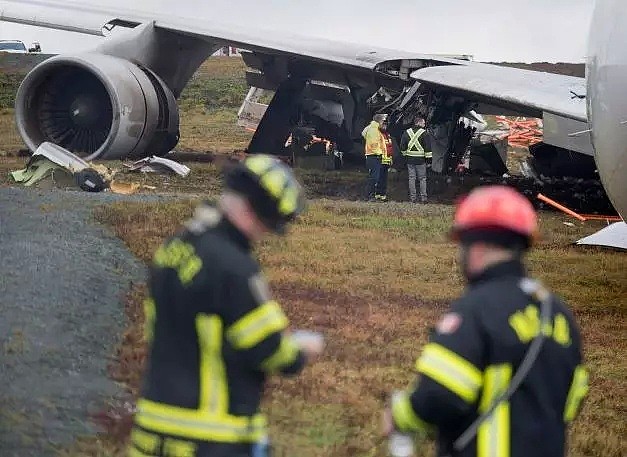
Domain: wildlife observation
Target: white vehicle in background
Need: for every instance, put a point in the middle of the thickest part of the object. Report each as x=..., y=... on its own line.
x=18, y=47
x=13, y=46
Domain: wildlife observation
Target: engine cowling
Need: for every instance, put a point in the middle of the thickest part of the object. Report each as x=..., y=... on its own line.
x=98, y=107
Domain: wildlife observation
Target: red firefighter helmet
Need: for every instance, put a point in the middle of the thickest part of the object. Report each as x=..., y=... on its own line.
x=492, y=210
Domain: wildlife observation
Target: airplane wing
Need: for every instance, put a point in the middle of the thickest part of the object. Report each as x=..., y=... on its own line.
x=513, y=88
x=557, y=99
x=94, y=20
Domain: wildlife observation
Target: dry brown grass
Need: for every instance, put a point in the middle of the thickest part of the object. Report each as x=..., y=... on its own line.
x=211, y=131
x=8, y=164
x=373, y=279
x=10, y=140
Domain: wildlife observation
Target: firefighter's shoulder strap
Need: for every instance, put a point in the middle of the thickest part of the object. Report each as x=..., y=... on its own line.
x=541, y=294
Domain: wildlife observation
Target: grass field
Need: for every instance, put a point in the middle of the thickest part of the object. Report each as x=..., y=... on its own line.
x=373, y=278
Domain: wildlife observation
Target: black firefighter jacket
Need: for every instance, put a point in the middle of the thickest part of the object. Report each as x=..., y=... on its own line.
x=470, y=360
x=215, y=334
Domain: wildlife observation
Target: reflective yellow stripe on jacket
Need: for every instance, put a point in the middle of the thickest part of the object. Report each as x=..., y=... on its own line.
x=257, y=325
x=386, y=158
x=451, y=371
x=405, y=418
x=493, y=437
x=211, y=421
x=144, y=444
x=577, y=392
x=284, y=356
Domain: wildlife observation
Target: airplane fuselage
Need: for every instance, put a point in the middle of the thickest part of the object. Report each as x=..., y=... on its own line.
x=607, y=98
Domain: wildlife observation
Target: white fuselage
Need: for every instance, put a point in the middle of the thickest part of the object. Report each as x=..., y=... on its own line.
x=607, y=97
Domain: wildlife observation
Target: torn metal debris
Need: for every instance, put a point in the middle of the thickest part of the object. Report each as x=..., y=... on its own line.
x=156, y=164
x=36, y=170
x=61, y=157
x=73, y=171
x=50, y=159
x=613, y=236
x=562, y=208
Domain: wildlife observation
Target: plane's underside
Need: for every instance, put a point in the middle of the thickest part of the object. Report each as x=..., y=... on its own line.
x=119, y=99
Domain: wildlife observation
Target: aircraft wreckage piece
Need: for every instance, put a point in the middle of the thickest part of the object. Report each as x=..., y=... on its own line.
x=36, y=169
x=61, y=157
x=50, y=157
x=158, y=164
x=613, y=236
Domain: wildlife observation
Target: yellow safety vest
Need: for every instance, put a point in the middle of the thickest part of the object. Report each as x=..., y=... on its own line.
x=375, y=142
x=414, y=148
x=386, y=158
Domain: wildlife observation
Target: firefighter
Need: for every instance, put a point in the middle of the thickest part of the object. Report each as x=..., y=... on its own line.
x=476, y=349
x=215, y=333
x=374, y=148
x=417, y=150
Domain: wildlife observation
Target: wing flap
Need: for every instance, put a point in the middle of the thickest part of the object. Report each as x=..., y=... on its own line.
x=614, y=236
x=511, y=87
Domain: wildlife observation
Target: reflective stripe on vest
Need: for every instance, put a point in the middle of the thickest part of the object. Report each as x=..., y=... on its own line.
x=386, y=157
x=414, y=148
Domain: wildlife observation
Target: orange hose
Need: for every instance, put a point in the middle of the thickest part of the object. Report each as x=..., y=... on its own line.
x=599, y=217
x=561, y=207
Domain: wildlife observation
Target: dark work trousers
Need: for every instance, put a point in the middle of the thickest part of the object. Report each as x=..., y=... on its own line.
x=224, y=450
x=382, y=184
x=417, y=171
x=373, y=164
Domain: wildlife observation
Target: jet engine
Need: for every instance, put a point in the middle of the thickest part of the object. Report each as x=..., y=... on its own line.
x=98, y=107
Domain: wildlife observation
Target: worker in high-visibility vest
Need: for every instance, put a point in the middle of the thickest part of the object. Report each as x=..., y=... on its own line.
x=503, y=372
x=416, y=148
x=386, y=163
x=375, y=148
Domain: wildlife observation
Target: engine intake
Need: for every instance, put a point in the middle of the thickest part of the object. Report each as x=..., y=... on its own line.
x=97, y=106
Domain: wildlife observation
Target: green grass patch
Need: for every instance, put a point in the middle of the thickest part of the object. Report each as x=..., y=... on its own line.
x=9, y=82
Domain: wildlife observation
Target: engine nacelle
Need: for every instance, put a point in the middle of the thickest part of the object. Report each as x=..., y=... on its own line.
x=97, y=106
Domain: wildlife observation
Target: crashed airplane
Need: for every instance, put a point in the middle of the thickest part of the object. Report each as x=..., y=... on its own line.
x=119, y=99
